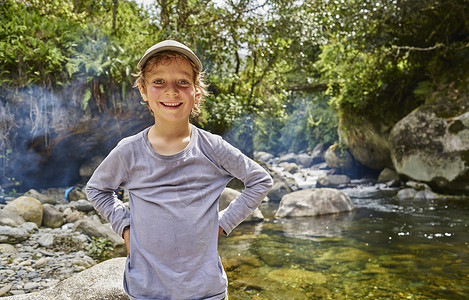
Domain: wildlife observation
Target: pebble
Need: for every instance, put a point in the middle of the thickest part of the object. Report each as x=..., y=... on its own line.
x=31, y=266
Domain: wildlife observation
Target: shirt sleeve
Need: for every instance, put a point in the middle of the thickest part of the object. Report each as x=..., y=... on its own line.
x=256, y=180
x=109, y=175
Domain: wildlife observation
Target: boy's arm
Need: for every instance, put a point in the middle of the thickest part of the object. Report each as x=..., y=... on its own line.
x=109, y=175
x=257, y=184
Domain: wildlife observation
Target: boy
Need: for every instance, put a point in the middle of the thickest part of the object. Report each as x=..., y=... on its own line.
x=175, y=173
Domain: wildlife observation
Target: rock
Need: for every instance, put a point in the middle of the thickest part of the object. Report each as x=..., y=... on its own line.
x=332, y=180
x=75, y=195
x=52, y=217
x=229, y=195
x=12, y=235
x=406, y=194
x=431, y=145
x=7, y=248
x=367, y=140
x=10, y=218
x=28, y=208
x=288, y=158
x=263, y=156
x=102, y=281
x=305, y=160
x=388, y=175
x=279, y=189
x=313, y=202
x=82, y=205
x=46, y=240
x=41, y=262
x=41, y=197
x=297, y=277
x=5, y=289
x=291, y=168
x=417, y=185
x=30, y=227
x=94, y=228
x=318, y=153
x=338, y=158
x=74, y=216
x=425, y=195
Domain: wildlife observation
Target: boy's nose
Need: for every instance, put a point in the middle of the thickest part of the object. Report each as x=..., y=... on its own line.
x=172, y=89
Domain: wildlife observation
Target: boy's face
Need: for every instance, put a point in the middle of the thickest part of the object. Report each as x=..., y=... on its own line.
x=170, y=90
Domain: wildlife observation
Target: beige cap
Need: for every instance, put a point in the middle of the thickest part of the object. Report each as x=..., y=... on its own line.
x=170, y=45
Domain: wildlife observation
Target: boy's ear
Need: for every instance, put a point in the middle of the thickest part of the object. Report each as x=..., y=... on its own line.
x=142, y=92
x=198, y=96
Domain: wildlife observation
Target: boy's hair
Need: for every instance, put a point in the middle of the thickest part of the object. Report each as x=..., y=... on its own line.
x=200, y=85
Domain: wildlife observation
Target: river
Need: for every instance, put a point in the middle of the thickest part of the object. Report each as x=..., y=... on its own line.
x=384, y=249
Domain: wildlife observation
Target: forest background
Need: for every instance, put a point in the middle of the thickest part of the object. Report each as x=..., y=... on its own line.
x=284, y=75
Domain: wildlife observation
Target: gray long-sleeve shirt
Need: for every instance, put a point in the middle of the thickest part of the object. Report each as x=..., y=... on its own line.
x=174, y=215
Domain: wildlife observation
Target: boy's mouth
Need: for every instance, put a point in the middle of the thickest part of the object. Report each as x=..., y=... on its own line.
x=171, y=104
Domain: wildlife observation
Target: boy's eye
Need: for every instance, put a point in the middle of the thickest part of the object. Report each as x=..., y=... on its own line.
x=158, y=81
x=183, y=81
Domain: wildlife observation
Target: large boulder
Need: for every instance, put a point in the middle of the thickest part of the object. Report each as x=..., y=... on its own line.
x=94, y=228
x=431, y=145
x=102, y=281
x=229, y=195
x=367, y=142
x=41, y=197
x=30, y=209
x=314, y=202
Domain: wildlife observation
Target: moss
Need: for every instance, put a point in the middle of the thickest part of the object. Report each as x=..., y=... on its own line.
x=456, y=127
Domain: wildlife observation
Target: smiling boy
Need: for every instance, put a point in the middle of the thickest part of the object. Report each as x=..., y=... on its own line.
x=175, y=173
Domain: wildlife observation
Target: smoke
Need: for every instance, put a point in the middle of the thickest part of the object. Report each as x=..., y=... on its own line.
x=45, y=136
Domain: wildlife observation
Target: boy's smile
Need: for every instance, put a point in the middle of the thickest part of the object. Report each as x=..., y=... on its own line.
x=170, y=90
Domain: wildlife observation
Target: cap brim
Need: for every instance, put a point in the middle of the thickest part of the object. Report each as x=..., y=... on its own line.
x=170, y=45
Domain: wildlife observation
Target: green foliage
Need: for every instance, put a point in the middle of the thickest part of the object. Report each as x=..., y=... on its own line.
x=100, y=249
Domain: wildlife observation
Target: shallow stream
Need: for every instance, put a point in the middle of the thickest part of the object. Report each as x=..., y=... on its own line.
x=384, y=249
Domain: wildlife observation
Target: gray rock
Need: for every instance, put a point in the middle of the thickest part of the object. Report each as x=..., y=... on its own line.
x=431, y=145
x=288, y=158
x=12, y=235
x=52, y=217
x=102, y=281
x=7, y=248
x=332, y=180
x=425, y=195
x=82, y=205
x=229, y=195
x=279, y=189
x=30, y=227
x=76, y=194
x=30, y=209
x=314, y=202
x=46, y=240
x=305, y=160
x=263, y=156
x=94, y=228
x=41, y=197
x=388, y=175
x=10, y=218
x=291, y=168
x=406, y=194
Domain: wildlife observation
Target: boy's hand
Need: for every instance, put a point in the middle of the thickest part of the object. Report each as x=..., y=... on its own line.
x=126, y=236
x=220, y=230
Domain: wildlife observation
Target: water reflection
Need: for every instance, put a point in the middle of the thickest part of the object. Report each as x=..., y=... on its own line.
x=313, y=228
x=384, y=249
